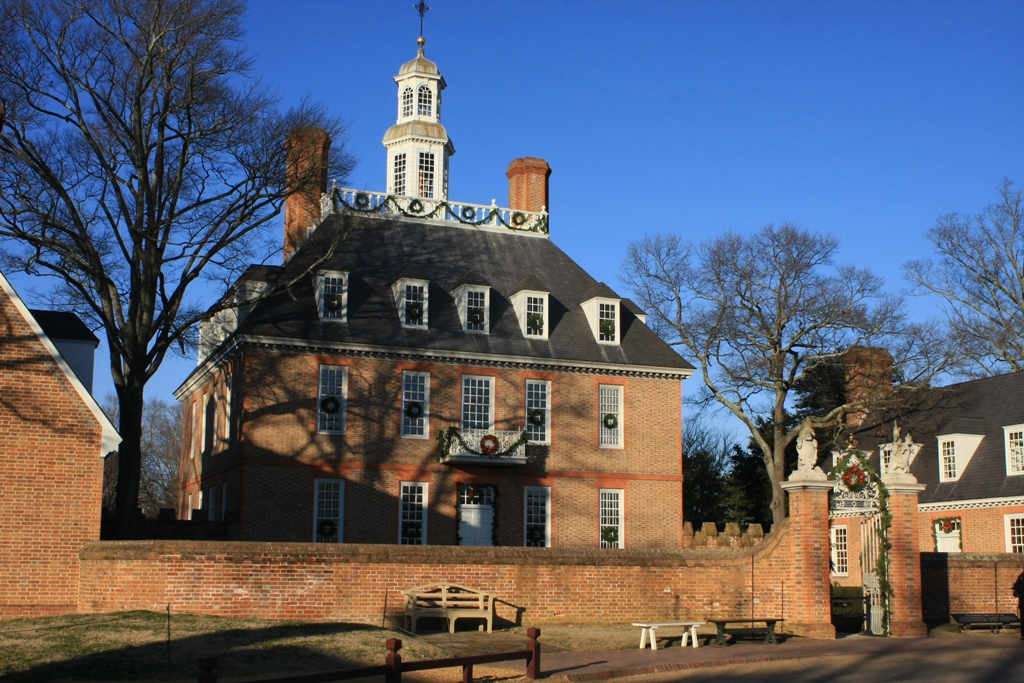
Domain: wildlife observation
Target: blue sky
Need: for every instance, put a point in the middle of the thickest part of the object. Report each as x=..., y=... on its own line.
x=866, y=120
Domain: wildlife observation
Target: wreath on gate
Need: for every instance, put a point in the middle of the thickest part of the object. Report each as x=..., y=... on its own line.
x=330, y=405
x=326, y=528
x=489, y=444
x=536, y=417
x=414, y=410
x=362, y=200
x=416, y=206
x=855, y=478
x=610, y=421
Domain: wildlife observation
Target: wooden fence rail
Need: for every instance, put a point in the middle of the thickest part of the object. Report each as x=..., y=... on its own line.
x=394, y=666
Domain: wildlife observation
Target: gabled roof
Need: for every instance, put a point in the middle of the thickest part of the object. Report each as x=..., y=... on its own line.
x=529, y=283
x=376, y=252
x=598, y=289
x=982, y=406
x=110, y=438
x=64, y=325
x=471, y=278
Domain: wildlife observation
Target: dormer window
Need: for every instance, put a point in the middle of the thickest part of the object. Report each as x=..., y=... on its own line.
x=407, y=103
x=955, y=453
x=476, y=310
x=412, y=298
x=606, y=322
x=472, y=297
x=530, y=301
x=603, y=310
x=332, y=295
x=1014, y=438
x=425, y=101
x=535, y=316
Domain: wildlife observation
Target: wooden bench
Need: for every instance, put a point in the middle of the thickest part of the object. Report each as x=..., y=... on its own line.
x=769, y=630
x=647, y=631
x=993, y=622
x=447, y=601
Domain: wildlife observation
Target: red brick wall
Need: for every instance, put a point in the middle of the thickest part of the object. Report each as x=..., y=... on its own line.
x=350, y=582
x=905, y=567
x=810, y=560
x=51, y=475
x=955, y=583
x=981, y=531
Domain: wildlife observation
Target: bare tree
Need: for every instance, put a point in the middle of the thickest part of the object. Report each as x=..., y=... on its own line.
x=980, y=274
x=758, y=312
x=139, y=156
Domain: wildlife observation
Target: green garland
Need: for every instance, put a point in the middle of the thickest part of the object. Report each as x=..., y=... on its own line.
x=459, y=488
x=944, y=521
x=856, y=459
x=361, y=204
x=446, y=436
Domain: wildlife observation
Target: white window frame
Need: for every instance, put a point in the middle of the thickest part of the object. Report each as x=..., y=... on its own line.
x=604, y=516
x=885, y=453
x=325, y=422
x=332, y=283
x=319, y=485
x=211, y=504
x=964, y=446
x=400, y=291
x=412, y=513
x=521, y=303
x=485, y=326
x=426, y=177
x=839, y=547
x=491, y=381
x=610, y=438
x=948, y=470
x=534, y=402
x=608, y=310
x=407, y=103
x=1014, y=523
x=396, y=176
x=532, y=495
x=1013, y=443
x=424, y=101
x=223, y=501
x=409, y=425
x=941, y=535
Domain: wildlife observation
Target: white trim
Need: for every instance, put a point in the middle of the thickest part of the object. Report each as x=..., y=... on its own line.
x=399, y=290
x=592, y=309
x=110, y=438
x=425, y=511
x=321, y=299
x=972, y=504
x=520, y=304
x=619, y=432
x=546, y=441
x=461, y=296
x=1006, y=522
x=546, y=492
x=491, y=382
x=340, y=521
x=834, y=549
x=343, y=397
x=620, y=508
x=426, y=405
x=1006, y=448
x=964, y=447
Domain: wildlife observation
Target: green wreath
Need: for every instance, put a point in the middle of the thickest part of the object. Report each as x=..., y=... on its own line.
x=326, y=528
x=610, y=421
x=413, y=309
x=536, y=417
x=610, y=534
x=333, y=302
x=416, y=206
x=362, y=201
x=330, y=405
x=475, y=316
x=468, y=213
x=414, y=410
x=518, y=218
x=608, y=328
x=535, y=321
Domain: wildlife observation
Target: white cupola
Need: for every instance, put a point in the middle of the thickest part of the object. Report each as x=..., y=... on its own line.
x=418, y=146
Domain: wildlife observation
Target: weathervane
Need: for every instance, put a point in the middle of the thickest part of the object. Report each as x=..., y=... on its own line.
x=422, y=8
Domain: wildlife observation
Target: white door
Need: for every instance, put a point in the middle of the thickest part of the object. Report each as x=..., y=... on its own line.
x=476, y=524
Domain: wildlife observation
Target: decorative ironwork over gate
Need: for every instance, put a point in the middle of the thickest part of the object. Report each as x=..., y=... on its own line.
x=863, y=506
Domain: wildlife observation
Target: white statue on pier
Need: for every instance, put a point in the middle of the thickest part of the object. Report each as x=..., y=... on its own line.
x=806, y=448
x=902, y=451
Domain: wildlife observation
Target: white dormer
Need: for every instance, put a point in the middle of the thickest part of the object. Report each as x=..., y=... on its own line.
x=955, y=451
x=412, y=298
x=603, y=310
x=1013, y=438
x=418, y=147
x=530, y=302
x=472, y=297
x=332, y=295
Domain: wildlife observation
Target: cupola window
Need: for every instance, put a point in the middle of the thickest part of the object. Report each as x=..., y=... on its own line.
x=425, y=101
x=426, y=175
x=407, y=102
x=399, y=177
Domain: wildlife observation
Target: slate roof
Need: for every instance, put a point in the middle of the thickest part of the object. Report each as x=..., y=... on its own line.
x=375, y=252
x=63, y=325
x=982, y=406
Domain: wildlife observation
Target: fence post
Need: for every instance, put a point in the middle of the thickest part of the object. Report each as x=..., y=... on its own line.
x=467, y=673
x=533, y=665
x=394, y=661
x=206, y=667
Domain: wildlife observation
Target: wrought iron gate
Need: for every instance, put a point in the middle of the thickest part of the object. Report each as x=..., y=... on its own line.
x=871, y=548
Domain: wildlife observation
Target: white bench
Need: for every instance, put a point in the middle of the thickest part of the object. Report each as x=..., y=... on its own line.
x=647, y=631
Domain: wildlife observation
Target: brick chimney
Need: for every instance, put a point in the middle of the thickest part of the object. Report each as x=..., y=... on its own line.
x=306, y=169
x=868, y=378
x=528, y=184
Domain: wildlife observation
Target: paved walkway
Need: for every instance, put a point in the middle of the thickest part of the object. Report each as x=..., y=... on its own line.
x=593, y=666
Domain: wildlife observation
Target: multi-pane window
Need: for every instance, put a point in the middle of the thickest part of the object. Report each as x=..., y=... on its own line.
x=840, y=551
x=407, y=102
x=477, y=402
x=413, y=513
x=1015, y=533
x=415, y=404
x=211, y=504
x=425, y=101
x=606, y=322
x=886, y=451
x=610, y=414
x=330, y=507
x=534, y=316
x=1014, y=450
x=948, y=455
x=538, y=410
x=415, y=306
x=611, y=518
x=476, y=311
x=195, y=431
x=426, y=175
x=331, y=402
x=538, y=516
x=476, y=495
x=332, y=296
x=399, y=176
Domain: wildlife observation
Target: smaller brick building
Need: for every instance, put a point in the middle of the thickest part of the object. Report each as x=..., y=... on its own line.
x=53, y=437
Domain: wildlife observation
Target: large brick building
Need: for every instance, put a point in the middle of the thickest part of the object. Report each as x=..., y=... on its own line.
x=53, y=437
x=437, y=372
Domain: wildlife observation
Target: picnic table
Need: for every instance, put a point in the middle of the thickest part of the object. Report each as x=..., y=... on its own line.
x=723, y=630
x=647, y=631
